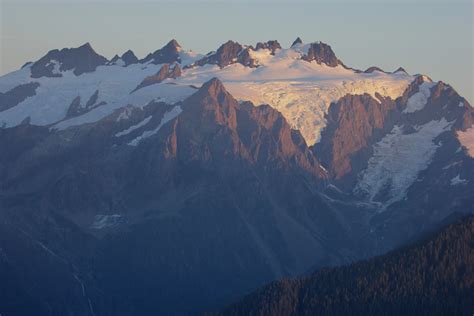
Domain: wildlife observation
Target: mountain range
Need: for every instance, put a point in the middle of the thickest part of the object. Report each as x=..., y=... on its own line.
x=179, y=182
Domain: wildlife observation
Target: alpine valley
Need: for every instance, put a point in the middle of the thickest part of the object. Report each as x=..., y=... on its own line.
x=178, y=183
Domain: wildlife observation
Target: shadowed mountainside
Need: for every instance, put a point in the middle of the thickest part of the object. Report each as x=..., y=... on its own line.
x=432, y=277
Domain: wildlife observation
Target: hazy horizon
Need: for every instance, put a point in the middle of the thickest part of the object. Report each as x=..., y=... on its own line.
x=433, y=38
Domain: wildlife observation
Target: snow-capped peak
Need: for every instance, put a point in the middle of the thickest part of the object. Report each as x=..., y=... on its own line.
x=300, y=82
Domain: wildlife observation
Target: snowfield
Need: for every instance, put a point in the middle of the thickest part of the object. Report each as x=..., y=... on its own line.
x=457, y=180
x=302, y=91
x=418, y=101
x=134, y=127
x=104, y=221
x=397, y=160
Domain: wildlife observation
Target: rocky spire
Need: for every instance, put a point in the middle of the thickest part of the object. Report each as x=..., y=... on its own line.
x=167, y=54
x=322, y=53
x=114, y=59
x=297, y=41
x=173, y=45
x=129, y=58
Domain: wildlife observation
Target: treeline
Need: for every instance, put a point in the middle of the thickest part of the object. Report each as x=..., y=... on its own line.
x=433, y=277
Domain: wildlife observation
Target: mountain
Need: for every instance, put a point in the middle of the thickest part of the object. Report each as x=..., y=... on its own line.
x=433, y=277
x=212, y=175
x=202, y=179
x=406, y=160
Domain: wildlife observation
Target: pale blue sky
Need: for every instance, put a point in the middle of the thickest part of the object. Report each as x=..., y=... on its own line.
x=431, y=37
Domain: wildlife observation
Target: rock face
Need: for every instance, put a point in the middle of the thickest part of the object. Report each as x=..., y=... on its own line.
x=164, y=73
x=129, y=58
x=166, y=55
x=77, y=108
x=245, y=58
x=16, y=95
x=175, y=72
x=246, y=124
x=443, y=261
x=355, y=122
x=322, y=54
x=271, y=45
x=82, y=59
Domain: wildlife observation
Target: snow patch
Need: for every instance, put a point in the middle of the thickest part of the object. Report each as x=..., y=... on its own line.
x=418, y=101
x=451, y=165
x=168, y=116
x=125, y=114
x=56, y=65
x=457, y=180
x=134, y=127
x=397, y=160
x=103, y=221
x=188, y=57
x=119, y=62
